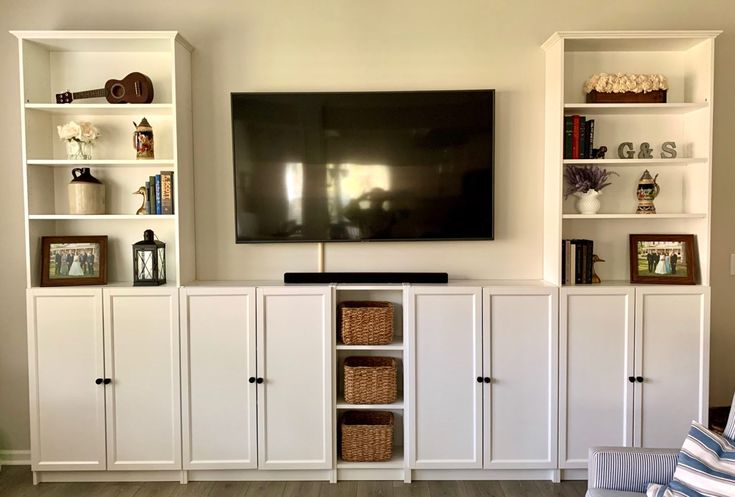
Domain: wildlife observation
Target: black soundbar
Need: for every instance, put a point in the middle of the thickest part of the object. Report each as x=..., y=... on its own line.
x=326, y=278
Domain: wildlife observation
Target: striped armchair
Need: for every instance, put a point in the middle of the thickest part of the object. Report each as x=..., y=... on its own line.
x=627, y=471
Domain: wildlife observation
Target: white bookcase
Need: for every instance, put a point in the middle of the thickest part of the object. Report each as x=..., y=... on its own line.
x=52, y=62
x=686, y=58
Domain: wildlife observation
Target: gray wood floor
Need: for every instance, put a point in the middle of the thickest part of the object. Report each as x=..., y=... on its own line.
x=15, y=481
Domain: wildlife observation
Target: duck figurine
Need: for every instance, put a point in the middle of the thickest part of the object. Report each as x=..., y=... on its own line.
x=595, y=259
x=142, y=191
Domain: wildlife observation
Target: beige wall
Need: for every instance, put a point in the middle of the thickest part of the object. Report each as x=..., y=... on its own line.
x=348, y=45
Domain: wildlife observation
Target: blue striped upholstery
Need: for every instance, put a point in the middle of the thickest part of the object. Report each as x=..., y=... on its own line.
x=630, y=469
x=730, y=429
x=706, y=467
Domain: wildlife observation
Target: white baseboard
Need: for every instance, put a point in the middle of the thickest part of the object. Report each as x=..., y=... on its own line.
x=15, y=457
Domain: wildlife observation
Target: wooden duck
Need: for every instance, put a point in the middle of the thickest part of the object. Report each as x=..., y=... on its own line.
x=595, y=278
x=142, y=191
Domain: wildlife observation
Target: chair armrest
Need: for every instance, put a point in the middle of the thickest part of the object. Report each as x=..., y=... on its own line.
x=630, y=469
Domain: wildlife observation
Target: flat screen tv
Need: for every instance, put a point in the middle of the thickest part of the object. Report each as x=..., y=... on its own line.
x=368, y=166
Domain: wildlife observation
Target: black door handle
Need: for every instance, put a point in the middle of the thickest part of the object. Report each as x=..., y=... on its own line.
x=98, y=381
x=639, y=379
x=631, y=379
x=487, y=379
x=251, y=379
x=479, y=379
x=259, y=381
x=107, y=381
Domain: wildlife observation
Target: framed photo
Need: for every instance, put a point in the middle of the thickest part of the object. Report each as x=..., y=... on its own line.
x=73, y=260
x=663, y=259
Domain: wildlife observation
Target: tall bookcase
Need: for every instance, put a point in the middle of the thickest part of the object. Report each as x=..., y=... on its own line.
x=52, y=62
x=686, y=58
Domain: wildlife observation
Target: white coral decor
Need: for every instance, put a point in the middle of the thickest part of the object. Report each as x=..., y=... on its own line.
x=622, y=83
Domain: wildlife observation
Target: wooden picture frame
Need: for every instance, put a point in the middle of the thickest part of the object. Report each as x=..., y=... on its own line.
x=70, y=265
x=663, y=259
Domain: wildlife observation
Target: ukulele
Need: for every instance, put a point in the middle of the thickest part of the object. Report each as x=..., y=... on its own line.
x=135, y=88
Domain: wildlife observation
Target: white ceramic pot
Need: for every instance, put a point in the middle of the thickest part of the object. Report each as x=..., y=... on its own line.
x=587, y=202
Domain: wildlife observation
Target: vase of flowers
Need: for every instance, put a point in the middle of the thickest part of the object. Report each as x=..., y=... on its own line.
x=79, y=139
x=586, y=183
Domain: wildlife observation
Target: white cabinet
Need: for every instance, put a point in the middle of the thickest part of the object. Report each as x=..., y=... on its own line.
x=485, y=377
x=219, y=407
x=521, y=351
x=105, y=395
x=633, y=367
x=295, y=398
x=596, y=359
x=672, y=349
x=142, y=360
x=446, y=326
x=65, y=346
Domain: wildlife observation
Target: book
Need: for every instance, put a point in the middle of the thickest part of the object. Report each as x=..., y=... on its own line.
x=152, y=194
x=148, y=197
x=572, y=263
x=167, y=192
x=575, y=136
x=569, y=259
x=568, y=137
x=589, y=134
x=158, y=194
x=577, y=262
x=563, y=262
x=590, y=253
x=582, y=137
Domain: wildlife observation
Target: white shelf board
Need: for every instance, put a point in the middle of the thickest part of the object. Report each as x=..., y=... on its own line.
x=102, y=162
x=395, y=406
x=103, y=109
x=635, y=162
x=99, y=217
x=395, y=462
x=597, y=109
x=395, y=345
x=634, y=216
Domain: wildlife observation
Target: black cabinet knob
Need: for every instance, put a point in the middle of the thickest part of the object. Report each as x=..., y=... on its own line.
x=108, y=381
x=98, y=381
x=251, y=379
x=639, y=379
x=479, y=379
x=631, y=379
x=486, y=379
x=259, y=381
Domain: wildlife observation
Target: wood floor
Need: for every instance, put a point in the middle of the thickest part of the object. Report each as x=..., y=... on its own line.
x=15, y=481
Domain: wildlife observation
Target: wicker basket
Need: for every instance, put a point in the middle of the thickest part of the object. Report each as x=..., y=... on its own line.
x=367, y=436
x=366, y=323
x=651, y=97
x=370, y=380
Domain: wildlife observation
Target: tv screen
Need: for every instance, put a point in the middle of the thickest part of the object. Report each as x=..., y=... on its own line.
x=373, y=166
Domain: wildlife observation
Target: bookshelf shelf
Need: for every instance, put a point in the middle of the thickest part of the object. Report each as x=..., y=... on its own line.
x=100, y=217
x=166, y=163
x=631, y=109
x=103, y=109
x=635, y=162
x=646, y=217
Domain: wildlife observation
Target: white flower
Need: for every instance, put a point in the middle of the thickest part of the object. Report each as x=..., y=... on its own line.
x=88, y=132
x=69, y=131
x=622, y=83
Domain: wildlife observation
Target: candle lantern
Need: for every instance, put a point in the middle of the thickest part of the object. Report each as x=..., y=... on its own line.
x=149, y=261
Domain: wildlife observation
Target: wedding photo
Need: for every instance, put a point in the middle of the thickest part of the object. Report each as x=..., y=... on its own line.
x=73, y=260
x=666, y=259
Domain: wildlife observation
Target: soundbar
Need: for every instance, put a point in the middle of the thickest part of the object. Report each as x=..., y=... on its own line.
x=326, y=278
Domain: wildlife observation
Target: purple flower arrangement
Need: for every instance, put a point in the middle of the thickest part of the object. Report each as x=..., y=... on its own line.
x=581, y=179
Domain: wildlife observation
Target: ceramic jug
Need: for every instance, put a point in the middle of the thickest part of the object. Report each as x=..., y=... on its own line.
x=86, y=193
x=143, y=140
x=648, y=190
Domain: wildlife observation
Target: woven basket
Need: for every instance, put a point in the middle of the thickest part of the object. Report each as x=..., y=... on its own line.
x=367, y=436
x=370, y=380
x=365, y=323
x=651, y=97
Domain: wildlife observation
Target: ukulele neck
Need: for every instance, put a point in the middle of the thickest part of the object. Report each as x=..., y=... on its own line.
x=90, y=94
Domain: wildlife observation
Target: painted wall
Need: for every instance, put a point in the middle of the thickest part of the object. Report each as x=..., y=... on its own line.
x=350, y=45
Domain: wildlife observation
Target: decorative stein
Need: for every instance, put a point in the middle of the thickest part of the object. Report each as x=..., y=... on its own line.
x=648, y=190
x=86, y=193
x=143, y=140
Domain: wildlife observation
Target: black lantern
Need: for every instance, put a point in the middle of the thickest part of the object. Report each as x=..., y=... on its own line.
x=149, y=261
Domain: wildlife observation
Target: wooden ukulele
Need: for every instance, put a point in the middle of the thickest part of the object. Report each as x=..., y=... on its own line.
x=135, y=88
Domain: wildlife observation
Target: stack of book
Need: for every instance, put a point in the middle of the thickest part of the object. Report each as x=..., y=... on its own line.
x=160, y=193
x=576, y=262
x=579, y=134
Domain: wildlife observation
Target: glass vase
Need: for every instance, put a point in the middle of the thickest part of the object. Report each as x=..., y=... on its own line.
x=78, y=150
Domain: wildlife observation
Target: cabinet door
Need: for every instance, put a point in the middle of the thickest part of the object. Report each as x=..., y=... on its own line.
x=142, y=360
x=217, y=359
x=595, y=361
x=446, y=330
x=295, y=347
x=521, y=350
x=67, y=406
x=672, y=344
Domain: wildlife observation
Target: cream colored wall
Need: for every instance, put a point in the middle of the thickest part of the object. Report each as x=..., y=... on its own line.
x=348, y=45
